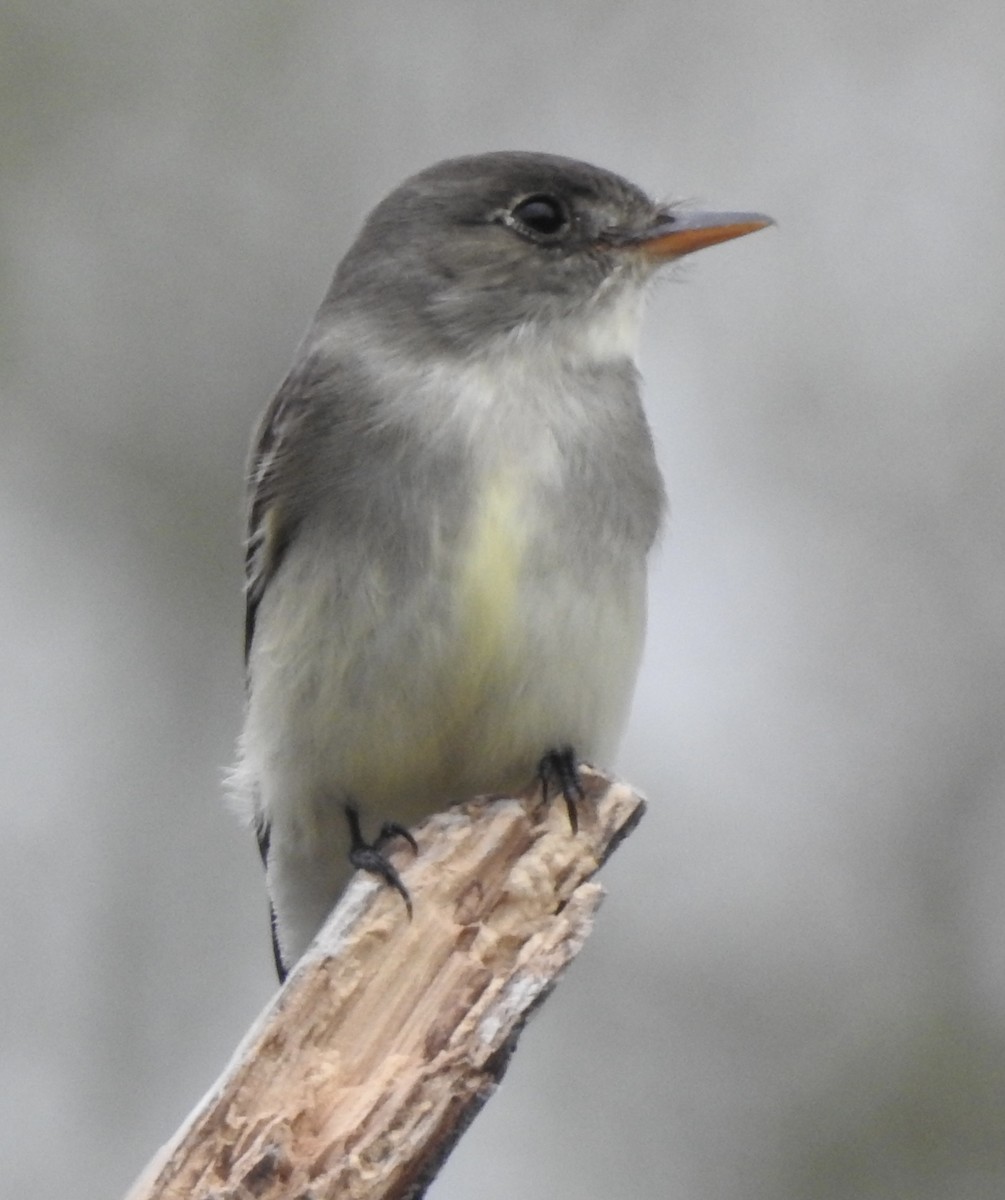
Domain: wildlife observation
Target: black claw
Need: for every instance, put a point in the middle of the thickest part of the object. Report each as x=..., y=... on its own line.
x=391, y=830
x=369, y=856
x=559, y=768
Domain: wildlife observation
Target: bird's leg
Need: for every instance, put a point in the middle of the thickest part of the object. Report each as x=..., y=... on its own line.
x=369, y=856
x=558, y=770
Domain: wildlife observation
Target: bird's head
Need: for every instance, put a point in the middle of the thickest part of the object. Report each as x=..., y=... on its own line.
x=516, y=244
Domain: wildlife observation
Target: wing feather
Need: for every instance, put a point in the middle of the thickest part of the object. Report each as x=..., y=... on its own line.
x=272, y=518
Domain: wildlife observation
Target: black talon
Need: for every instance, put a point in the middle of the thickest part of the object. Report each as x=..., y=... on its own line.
x=391, y=830
x=559, y=767
x=368, y=856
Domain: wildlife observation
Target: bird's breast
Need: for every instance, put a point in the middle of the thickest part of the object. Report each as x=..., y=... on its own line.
x=491, y=564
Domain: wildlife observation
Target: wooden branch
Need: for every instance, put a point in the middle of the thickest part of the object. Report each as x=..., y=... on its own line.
x=390, y=1034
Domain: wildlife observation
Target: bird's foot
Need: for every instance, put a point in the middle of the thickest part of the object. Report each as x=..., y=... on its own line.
x=370, y=856
x=558, y=772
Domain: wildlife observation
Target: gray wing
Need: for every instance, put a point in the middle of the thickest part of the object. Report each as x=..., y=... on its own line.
x=272, y=520
x=272, y=514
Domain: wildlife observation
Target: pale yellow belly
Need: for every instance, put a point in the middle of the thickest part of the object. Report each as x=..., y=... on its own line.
x=521, y=666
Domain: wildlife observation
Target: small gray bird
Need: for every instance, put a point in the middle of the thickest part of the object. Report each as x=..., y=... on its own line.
x=452, y=499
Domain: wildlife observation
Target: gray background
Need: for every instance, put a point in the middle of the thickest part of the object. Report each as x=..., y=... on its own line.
x=797, y=985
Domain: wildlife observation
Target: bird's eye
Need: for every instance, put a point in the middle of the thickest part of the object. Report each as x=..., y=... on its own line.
x=540, y=216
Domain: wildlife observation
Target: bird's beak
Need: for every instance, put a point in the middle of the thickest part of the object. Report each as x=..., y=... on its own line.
x=676, y=234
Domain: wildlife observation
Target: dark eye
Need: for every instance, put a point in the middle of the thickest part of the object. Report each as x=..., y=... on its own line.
x=540, y=216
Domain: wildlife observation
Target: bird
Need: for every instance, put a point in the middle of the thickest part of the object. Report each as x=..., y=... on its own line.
x=452, y=501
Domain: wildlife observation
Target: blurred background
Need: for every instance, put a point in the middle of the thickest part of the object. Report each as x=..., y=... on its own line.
x=797, y=985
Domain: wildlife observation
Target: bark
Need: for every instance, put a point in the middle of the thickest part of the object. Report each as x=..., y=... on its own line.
x=390, y=1034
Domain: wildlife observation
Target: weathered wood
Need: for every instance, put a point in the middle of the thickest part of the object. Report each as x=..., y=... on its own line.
x=390, y=1034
